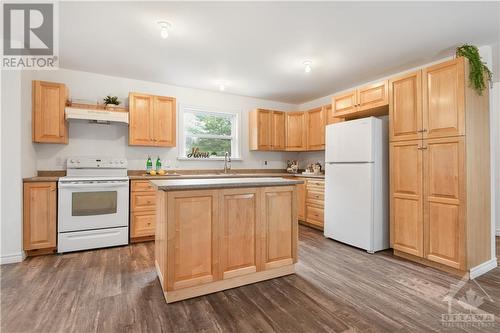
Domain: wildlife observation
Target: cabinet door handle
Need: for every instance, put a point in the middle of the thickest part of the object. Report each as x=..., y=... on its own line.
x=422, y=131
x=422, y=148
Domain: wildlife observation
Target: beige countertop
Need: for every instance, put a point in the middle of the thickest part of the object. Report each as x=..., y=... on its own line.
x=53, y=176
x=214, y=183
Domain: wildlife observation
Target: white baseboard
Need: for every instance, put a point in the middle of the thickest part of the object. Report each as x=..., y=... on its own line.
x=483, y=268
x=11, y=258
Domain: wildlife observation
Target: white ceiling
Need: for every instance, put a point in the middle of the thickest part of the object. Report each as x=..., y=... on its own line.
x=258, y=48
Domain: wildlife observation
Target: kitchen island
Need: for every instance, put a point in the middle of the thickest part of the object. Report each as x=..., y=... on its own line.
x=217, y=234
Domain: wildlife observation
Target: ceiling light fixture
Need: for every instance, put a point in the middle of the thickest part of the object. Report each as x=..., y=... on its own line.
x=307, y=66
x=222, y=87
x=165, y=26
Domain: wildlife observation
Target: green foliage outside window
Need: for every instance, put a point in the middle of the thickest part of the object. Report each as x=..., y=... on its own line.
x=199, y=124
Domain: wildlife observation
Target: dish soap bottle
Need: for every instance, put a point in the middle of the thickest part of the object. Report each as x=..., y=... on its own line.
x=149, y=164
x=158, y=164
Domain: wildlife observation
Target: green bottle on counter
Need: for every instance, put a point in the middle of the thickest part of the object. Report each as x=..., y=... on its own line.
x=149, y=164
x=158, y=164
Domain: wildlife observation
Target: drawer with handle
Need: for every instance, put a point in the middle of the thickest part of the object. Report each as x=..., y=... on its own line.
x=316, y=184
x=316, y=197
x=142, y=201
x=142, y=224
x=314, y=215
x=142, y=186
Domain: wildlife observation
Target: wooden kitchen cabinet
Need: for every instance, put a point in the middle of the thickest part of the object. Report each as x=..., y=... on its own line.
x=316, y=122
x=164, y=121
x=48, y=120
x=193, y=228
x=444, y=99
x=439, y=169
x=279, y=223
x=315, y=202
x=39, y=217
x=369, y=100
x=278, y=131
x=373, y=96
x=152, y=120
x=301, y=199
x=142, y=210
x=444, y=201
x=240, y=227
x=296, y=131
x=344, y=104
x=406, y=200
x=405, y=107
x=267, y=130
x=211, y=240
x=330, y=118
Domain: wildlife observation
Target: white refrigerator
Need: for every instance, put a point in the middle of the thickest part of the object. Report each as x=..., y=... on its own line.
x=357, y=182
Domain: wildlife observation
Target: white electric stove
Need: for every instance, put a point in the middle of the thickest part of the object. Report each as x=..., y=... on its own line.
x=93, y=204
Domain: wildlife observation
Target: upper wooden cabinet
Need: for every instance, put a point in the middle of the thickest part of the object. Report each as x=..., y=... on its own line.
x=48, y=123
x=344, y=104
x=278, y=131
x=39, y=216
x=164, y=121
x=444, y=99
x=316, y=122
x=405, y=107
x=373, y=96
x=267, y=130
x=296, y=131
x=370, y=100
x=152, y=120
x=330, y=118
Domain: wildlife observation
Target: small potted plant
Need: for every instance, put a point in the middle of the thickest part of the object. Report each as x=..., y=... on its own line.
x=111, y=101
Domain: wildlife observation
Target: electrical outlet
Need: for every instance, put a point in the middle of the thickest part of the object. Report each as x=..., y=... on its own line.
x=264, y=163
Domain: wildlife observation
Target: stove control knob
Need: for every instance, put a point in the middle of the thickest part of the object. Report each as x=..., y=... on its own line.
x=71, y=161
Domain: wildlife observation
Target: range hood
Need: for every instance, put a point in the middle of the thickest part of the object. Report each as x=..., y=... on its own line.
x=96, y=115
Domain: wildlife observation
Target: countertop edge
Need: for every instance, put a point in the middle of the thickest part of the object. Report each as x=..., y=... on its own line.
x=186, y=187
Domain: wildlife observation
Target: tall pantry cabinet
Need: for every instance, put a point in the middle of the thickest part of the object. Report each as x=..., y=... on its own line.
x=440, y=168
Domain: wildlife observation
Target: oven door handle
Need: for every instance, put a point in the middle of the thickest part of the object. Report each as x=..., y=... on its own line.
x=93, y=185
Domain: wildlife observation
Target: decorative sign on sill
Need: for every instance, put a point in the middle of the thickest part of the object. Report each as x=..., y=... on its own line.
x=196, y=153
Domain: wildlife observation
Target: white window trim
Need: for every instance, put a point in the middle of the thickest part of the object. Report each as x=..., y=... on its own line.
x=235, y=130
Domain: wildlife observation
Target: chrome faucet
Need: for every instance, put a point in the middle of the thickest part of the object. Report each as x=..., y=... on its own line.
x=227, y=162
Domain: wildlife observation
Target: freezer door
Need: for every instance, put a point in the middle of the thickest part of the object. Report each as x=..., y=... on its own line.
x=350, y=141
x=349, y=204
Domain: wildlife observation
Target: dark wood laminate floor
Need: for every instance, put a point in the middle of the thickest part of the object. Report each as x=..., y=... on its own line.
x=336, y=289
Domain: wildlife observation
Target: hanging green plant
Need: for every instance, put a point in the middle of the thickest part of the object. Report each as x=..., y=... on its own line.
x=479, y=72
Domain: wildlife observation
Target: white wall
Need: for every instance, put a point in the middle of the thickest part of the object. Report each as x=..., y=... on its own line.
x=11, y=174
x=94, y=139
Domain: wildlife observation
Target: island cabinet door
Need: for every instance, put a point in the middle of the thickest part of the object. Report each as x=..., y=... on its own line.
x=279, y=226
x=192, y=238
x=239, y=217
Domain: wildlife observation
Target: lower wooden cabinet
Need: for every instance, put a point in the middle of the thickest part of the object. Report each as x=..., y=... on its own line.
x=315, y=202
x=428, y=207
x=193, y=238
x=142, y=210
x=301, y=199
x=40, y=216
x=239, y=229
x=209, y=236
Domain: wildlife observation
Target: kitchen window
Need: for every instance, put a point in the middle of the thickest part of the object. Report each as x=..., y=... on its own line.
x=208, y=134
